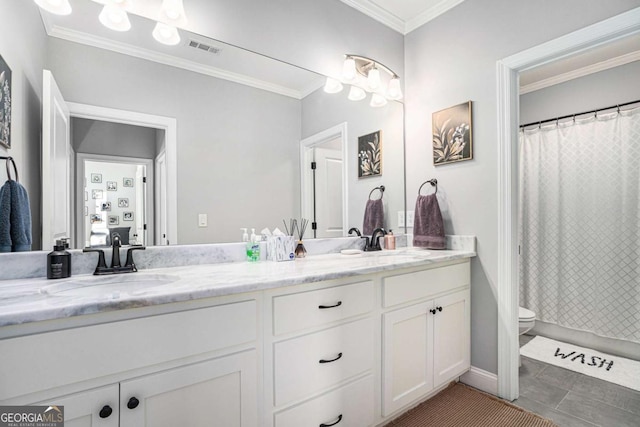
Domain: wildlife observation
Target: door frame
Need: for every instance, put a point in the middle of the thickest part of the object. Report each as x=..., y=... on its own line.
x=81, y=158
x=507, y=71
x=306, y=176
x=168, y=124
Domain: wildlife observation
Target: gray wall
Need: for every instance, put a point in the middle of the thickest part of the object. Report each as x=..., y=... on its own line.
x=600, y=90
x=321, y=111
x=309, y=33
x=237, y=146
x=450, y=60
x=115, y=139
x=23, y=44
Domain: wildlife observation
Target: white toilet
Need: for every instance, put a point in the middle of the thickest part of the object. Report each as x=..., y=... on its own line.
x=526, y=320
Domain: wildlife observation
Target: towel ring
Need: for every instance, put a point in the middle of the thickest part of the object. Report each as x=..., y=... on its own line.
x=15, y=168
x=433, y=182
x=381, y=188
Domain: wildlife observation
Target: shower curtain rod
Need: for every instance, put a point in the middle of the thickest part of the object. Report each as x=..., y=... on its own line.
x=555, y=119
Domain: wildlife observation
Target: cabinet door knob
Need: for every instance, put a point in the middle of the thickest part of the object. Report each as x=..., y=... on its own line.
x=105, y=411
x=432, y=311
x=329, y=361
x=133, y=403
x=333, y=423
x=439, y=308
x=322, y=307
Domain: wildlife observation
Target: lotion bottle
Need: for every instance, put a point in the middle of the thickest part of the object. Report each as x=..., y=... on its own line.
x=59, y=262
x=389, y=241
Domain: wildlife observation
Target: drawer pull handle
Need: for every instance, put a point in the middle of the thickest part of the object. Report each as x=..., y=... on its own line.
x=322, y=307
x=329, y=361
x=332, y=424
x=105, y=411
x=133, y=403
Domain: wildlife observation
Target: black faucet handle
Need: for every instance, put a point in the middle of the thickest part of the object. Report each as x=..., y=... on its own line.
x=102, y=264
x=355, y=229
x=129, y=262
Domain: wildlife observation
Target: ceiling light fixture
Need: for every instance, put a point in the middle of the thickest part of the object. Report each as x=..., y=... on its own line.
x=114, y=17
x=57, y=7
x=394, y=92
x=378, y=100
x=349, y=69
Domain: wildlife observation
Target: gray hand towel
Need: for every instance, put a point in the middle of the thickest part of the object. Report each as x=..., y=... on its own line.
x=373, y=216
x=428, y=227
x=15, y=218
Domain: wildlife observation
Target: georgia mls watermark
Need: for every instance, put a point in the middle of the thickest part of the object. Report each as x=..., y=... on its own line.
x=31, y=416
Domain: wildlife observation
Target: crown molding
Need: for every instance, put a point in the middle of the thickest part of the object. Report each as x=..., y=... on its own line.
x=581, y=72
x=378, y=13
x=162, y=58
x=429, y=14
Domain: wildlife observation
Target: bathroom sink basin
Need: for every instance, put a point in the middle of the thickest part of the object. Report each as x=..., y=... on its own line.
x=114, y=284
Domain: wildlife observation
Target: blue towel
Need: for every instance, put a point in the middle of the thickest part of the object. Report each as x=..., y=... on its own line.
x=15, y=218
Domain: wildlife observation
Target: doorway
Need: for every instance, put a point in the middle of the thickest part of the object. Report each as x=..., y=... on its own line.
x=323, y=162
x=617, y=27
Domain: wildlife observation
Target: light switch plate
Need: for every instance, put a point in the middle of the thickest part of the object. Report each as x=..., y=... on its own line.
x=202, y=220
x=400, y=218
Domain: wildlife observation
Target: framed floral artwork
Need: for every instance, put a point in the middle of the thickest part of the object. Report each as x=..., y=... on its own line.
x=452, y=136
x=370, y=155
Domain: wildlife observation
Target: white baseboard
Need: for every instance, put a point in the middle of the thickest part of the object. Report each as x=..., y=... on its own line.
x=481, y=379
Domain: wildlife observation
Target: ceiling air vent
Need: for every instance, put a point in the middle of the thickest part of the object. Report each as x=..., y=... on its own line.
x=205, y=47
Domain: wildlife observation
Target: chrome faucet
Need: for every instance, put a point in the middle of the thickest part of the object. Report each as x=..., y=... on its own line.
x=116, y=267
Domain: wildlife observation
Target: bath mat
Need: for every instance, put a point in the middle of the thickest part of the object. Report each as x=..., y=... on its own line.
x=624, y=372
x=462, y=406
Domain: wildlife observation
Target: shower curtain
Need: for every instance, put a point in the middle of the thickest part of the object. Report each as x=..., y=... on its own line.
x=579, y=222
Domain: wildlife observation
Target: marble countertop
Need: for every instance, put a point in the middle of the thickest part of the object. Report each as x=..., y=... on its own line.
x=37, y=299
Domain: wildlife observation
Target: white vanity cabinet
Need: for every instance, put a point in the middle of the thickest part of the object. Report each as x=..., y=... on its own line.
x=425, y=344
x=322, y=344
x=195, y=367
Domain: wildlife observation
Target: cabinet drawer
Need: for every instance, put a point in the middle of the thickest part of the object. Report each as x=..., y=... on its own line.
x=43, y=361
x=303, y=310
x=352, y=404
x=313, y=362
x=422, y=284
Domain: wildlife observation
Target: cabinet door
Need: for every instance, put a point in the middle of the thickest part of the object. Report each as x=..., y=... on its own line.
x=451, y=346
x=92, y=408
x=218, y=392
x=407, y=362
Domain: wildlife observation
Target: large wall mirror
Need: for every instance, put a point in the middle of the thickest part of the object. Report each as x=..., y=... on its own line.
x=246, y=127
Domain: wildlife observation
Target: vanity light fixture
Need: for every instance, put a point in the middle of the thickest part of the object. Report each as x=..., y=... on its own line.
x=356, y=93
x=166, y=34
x=367, y=75
x=332, y=86
x=57, y=7
x=378, y=100
x=172, y=12
x=114, y=16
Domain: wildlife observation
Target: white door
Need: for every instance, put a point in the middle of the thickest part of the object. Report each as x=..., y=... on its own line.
x=161, y=200
x=218, y=392
x=328, y=192
x=141, y=205
x=451, y=337
x=56, y=168
x=92, y=408
x=407, y=362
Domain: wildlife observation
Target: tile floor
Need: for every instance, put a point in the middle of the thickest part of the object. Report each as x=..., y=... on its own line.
x=572, y=399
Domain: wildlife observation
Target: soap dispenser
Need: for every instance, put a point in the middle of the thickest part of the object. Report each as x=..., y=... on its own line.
x=255, y=246
x=59, y=261
x=389, y=241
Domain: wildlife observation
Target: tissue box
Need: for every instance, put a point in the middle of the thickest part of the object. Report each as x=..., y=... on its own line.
x=281, y=248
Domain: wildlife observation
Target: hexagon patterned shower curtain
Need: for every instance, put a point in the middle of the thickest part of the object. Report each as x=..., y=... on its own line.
x=579, y=216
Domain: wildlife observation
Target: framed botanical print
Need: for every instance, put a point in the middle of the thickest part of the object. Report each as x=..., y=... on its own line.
x=370, y=155
x=452, y=134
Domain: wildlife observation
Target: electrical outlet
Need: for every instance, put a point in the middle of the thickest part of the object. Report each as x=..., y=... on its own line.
x=400, y=218
x=202, y=220
x=410, y=218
